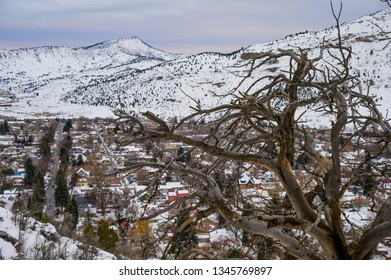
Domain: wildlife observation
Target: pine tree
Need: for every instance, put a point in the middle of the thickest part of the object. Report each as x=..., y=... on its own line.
x=89, y=234
x=6, y=127
x=35, y=205
x=108, y=238
x=61, y=196
x=45, y=148
x=80, y=161
x=37, y=199
x=30, y=139
x=64, y=156
x=2, y=130
x=116, y=128
x=185, y=157
x=68, y=125
x=30, y=172
x=39, y=185
x=74, y=211
x=74, y=178
x=67, y=143
x=365, y=177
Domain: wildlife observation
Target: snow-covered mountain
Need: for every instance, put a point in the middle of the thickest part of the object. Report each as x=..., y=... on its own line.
x=40, y=76
x=129, y=73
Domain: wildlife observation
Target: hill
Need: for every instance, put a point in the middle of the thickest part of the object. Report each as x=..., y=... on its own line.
x=28, y=239
x=130, y=74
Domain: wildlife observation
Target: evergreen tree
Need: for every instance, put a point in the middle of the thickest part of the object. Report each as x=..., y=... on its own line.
x=68, y=125
x=35, y=205
x=80, y=161
x=61, y=196
x=67, y=143
x=369, y=183
x=6, y=127
x=39, y=185
x=89, y=233
x=2, y=130
x=303, y=159
x=30, y=139
x=116, y=128
x=107, y=236
x=64, y=156
x=45, y=149
x=7, y=171
x=74, y=178
x=365, y=177
x=36, y=201
x=74, y=211
x=184, y=156
x=30, y=172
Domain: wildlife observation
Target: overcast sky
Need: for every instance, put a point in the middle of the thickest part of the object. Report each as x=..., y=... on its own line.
x=188, y=26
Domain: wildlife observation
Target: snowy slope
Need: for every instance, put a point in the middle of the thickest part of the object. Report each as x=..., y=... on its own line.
x=52, y=62
x=128, y=73
x=40, y=241
x=40, y=76
x=161, y=88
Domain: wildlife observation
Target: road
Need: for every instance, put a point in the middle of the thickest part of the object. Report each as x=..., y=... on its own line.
x=50, y=205
x=114, y=164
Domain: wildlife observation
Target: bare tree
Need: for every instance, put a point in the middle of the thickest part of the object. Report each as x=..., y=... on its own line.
x=388, y=2
x=100, y=193
x=266, y=126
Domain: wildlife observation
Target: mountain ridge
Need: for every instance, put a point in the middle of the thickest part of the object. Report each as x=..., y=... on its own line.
x=155, y=80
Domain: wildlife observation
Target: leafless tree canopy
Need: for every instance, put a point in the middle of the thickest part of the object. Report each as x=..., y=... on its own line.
x=266, y=127
x=388, y=2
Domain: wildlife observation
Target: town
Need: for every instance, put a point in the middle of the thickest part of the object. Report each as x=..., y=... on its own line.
x=73, y=173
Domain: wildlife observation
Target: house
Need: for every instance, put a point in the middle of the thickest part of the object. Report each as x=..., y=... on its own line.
x=80, y=190
x=182, y=193
x=78, y=150
x=85, y=205
x=171, y=196
x=82, y=182
x=131, y=149
x=203, y=232
x=175, y=194
x=115, y=183
x=124, y=203
x=360, y=202
x=10, y=151
x=123, y=225
x=152, y=210
x=249, y=182
x=10, y=195
x=84, y=171
x=7, y=140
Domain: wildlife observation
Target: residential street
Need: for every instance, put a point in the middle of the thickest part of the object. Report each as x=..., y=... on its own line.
x=50, y=204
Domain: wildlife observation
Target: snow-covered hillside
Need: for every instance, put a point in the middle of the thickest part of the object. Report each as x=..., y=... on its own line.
x=39, y=77
x=128, y=73
x=35, y=240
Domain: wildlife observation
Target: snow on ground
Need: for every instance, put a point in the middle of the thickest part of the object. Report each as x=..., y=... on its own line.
x=128, y=73
x=44, y=108
x=38, y=240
